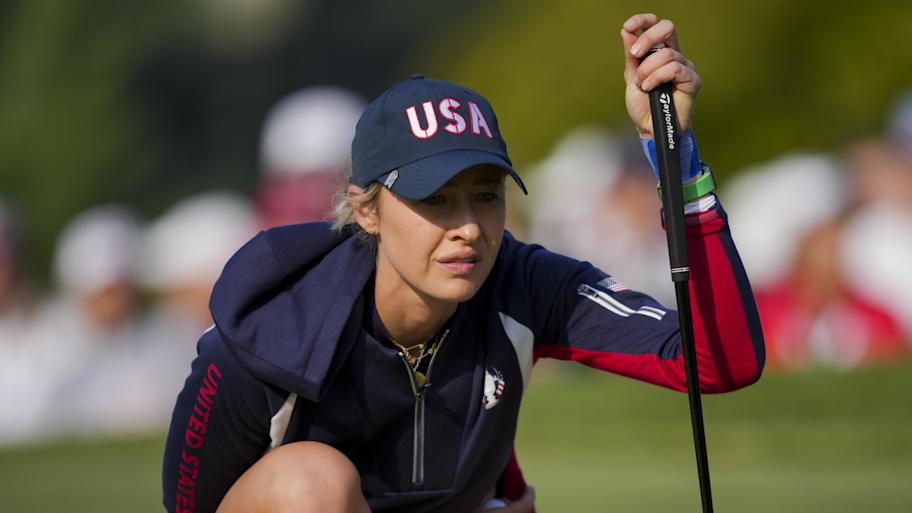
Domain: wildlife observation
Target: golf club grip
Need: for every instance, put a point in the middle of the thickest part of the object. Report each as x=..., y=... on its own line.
x=667, y=138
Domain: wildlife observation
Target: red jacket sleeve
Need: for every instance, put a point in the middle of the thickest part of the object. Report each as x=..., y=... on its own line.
x=600, y=323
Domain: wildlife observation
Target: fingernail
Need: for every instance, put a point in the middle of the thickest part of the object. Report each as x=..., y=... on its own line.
x=628, y=23
x=635, y=50
x=645, y=85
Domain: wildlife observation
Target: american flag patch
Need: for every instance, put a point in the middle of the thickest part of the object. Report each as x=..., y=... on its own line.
x=611, y=284
x=494, y=386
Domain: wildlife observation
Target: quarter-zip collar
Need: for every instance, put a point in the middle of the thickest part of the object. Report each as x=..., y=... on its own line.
x=420, y=398
x=375, y=327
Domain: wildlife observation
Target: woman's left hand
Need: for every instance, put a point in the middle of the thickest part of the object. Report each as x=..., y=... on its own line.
x=641, y=33
x=525, y=504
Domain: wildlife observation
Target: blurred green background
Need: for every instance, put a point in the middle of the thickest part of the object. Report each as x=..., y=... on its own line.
x=146, y=102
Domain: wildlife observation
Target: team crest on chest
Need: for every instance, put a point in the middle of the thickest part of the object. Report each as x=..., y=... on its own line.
x=493, y=388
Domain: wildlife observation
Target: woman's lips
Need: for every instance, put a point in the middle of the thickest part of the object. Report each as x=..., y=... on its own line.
x=459, y=267
x=461, y=262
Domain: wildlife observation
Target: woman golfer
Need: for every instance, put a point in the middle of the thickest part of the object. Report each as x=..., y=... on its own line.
x=379, y=364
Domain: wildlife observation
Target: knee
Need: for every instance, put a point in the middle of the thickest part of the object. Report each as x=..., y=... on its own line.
x=306, y=477
x=313, y=476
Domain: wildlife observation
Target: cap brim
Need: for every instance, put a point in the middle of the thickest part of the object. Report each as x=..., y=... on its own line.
x=420, y=179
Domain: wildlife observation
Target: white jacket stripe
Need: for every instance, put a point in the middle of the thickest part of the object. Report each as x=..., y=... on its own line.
x=611, y=303
x=523, y=343
x=278, y=425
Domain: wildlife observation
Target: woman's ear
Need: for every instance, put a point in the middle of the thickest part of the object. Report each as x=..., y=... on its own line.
x=365, y=211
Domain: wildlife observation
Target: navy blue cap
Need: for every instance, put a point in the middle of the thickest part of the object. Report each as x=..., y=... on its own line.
x=421, y=133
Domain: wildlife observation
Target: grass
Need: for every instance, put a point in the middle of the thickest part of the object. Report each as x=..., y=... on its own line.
x=122, y=475
x=819, y=441
x=823, y=440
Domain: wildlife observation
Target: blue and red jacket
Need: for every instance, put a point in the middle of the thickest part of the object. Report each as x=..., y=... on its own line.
x=295, y=354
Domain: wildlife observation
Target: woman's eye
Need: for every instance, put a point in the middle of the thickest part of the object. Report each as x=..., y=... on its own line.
x=487, y=197
x=437, y=199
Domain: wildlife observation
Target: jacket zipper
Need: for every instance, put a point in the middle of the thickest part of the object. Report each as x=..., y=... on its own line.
x=420, y=393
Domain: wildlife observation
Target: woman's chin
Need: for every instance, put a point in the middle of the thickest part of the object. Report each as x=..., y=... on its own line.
x=457, y=291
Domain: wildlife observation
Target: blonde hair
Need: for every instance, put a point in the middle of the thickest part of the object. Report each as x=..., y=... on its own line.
x=343, y=215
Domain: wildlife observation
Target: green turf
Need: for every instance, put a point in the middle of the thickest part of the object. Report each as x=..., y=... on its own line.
x=819, y=441
x=824, y=441
x=88, y=476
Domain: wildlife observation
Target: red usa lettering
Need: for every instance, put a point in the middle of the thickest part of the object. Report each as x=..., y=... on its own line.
x=448, y=108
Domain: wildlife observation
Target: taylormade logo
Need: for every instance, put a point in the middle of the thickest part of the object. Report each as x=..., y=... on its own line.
x=665, y=100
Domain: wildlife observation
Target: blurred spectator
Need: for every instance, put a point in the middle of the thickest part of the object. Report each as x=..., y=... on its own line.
x=881, y=173
x=598, y=202
x=772, y=206
x=94, y=266
x=879, y=237
x=14, y=293
x=305, y=147
x=183, y=254
x=86, y=337
x=899, y=122
x=569, y=182
x=878, y=249
x=814, y=316
x=17, y=411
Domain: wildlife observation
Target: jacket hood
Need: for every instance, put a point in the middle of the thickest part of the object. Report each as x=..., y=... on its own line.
x=283, y=302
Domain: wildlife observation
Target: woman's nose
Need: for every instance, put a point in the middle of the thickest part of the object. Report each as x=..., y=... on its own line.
x=466, y=225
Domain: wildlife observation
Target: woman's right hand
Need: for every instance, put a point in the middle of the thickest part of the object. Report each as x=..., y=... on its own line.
x=641, y=33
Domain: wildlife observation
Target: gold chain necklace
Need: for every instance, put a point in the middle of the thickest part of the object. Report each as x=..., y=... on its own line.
x=425, y=349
